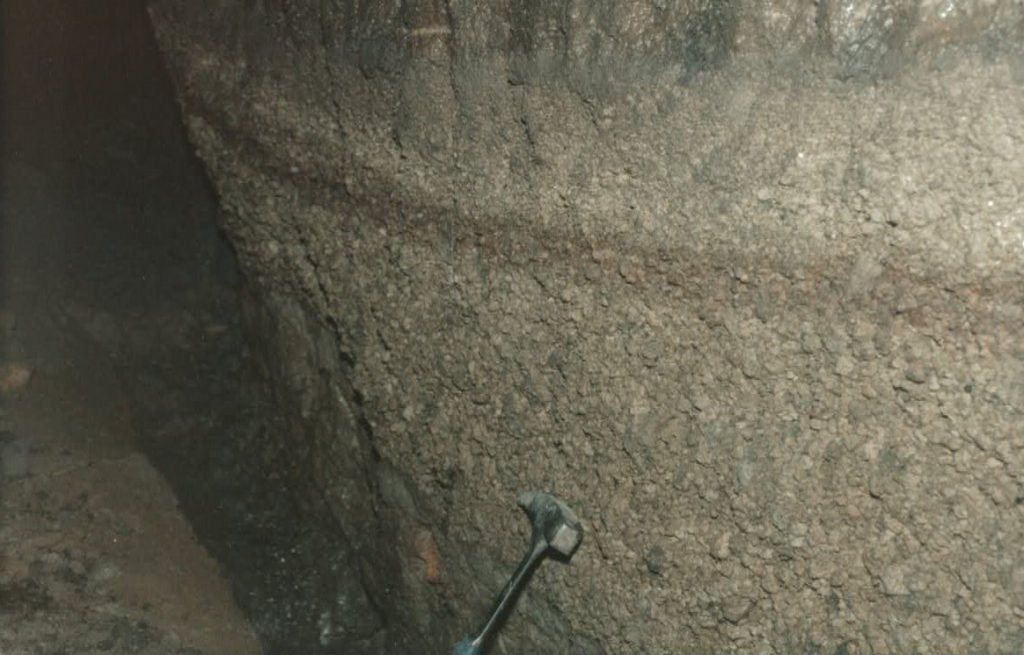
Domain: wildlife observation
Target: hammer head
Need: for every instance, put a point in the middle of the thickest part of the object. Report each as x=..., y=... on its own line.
x=552, y=521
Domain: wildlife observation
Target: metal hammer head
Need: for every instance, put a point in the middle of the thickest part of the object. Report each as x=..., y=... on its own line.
x=553, y=522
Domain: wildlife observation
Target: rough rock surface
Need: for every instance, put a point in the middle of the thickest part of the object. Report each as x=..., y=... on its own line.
x=741, y=283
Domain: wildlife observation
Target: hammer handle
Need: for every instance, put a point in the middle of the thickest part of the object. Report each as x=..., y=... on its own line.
x=472, y=644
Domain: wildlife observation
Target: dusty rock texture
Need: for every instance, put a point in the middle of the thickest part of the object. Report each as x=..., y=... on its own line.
x=742, y=283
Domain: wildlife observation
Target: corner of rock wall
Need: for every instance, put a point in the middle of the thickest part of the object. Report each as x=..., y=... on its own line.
x=323, y=446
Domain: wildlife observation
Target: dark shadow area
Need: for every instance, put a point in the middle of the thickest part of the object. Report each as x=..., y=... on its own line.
x=113, y=273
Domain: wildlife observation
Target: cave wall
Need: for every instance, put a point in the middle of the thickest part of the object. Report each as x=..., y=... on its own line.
x=741, y=283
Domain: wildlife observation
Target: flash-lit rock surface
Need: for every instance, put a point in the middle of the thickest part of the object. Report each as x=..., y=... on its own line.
x=742, y=286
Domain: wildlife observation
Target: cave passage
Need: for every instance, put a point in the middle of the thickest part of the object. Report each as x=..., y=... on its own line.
x=123, y=367
x=739, y=283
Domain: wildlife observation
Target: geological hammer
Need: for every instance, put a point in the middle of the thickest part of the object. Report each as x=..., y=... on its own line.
x=555, y=528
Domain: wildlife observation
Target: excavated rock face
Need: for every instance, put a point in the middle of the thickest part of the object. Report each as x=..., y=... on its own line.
x=743, y=285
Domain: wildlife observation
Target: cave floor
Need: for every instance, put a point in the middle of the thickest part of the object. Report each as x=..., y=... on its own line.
x=96, y=553
x=116, y=291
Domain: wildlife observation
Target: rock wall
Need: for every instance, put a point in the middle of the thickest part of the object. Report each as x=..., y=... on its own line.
x=741, y=284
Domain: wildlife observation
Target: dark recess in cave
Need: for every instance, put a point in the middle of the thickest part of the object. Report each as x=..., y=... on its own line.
x=116, y=278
